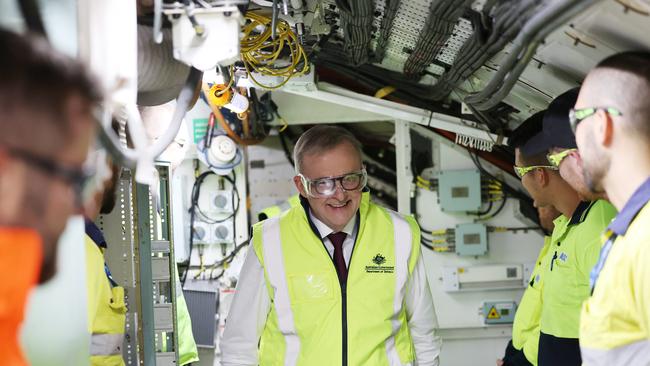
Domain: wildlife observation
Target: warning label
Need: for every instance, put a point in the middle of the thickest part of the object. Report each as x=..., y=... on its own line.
x=493, y=314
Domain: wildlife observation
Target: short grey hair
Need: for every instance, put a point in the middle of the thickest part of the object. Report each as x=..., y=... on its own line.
x=320, y=139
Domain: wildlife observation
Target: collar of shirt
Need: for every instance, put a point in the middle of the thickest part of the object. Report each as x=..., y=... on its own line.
x=325, y=230
x=95, y=234
x=632, y=207
x=580, y=213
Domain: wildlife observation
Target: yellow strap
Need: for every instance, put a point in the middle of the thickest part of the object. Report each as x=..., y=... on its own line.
x=385, y=91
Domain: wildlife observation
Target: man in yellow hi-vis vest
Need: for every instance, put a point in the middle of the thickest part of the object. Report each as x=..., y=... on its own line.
x=612, y=123
x=337, y=280
x=574, y=243
x=106, y=306
x=522, y=349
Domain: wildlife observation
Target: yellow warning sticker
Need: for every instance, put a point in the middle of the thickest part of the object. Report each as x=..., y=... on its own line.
x=493, y=314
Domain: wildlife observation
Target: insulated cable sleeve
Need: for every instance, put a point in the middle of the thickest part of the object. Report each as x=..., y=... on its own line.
x=128, y=157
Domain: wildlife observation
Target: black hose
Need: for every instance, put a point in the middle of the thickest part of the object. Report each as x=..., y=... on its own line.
x=32, y=17
x=524, y=49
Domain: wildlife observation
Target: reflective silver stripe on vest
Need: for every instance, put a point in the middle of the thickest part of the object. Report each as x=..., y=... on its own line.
x=284, y=206
x=637, y=353
x=274, y=264
x=403, y=238
x=106, y=344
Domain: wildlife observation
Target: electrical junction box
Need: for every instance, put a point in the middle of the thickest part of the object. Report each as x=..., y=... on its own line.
x=222, y=201
x=471, y=239
x=202, y=232
x=499, y=312
x=222, y=232
x=486, y=277
x=459, y=190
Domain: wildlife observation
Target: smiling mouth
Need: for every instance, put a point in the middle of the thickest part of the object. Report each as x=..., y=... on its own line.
x=338, y=205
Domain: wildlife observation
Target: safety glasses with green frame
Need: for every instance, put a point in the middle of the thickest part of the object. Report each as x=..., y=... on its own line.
x=523, y=170
x=556, y=159
x=578, y=115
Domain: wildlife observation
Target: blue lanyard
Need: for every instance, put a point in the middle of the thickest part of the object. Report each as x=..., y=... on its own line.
x=610, y=237
x=110, y=277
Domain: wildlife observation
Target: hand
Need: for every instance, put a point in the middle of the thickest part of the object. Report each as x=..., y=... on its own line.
x=500, y=362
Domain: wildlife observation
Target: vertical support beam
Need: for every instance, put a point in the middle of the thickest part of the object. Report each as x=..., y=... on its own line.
x=146, y=283
x=167, y=234
x=403, y=166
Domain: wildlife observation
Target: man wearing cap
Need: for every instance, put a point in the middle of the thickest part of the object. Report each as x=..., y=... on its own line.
x=563, y=152
x=575, y=242
x=613, y=134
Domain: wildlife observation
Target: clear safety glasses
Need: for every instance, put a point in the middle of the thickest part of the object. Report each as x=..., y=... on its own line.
x=326, y=187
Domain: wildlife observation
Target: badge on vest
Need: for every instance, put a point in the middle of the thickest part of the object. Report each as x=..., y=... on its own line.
x=564, y=257
x=377, y=265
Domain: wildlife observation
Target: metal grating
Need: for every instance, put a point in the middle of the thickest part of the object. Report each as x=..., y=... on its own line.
x=409, y=21
x=202, y=306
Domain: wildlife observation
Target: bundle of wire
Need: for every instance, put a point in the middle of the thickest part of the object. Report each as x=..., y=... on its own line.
x=262, y=53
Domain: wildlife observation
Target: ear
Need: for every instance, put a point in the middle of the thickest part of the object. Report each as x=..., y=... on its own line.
x=298, y=182
x=604, y=129
x=608, y=133
x=542, y=177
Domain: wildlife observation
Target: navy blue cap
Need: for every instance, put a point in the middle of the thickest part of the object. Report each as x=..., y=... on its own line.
x=557, y=129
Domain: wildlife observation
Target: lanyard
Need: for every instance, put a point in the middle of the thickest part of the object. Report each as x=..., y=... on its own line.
x=609, y=238
x=110, y=277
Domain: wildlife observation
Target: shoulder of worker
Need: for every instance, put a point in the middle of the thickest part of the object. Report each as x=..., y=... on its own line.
x=602, y=212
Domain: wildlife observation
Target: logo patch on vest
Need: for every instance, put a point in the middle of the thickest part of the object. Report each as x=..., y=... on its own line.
x=564, y=257
x=378, y=265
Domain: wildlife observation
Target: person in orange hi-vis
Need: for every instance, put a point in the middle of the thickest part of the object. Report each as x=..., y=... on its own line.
x=46, y=103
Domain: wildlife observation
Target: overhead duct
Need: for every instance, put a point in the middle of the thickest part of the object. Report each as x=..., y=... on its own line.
x=439, y=26
x=356, y=21
x=160, y=76
x=524, y=47
x=390, y=12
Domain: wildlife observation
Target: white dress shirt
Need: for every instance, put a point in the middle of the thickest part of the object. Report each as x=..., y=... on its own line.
x=251, y=305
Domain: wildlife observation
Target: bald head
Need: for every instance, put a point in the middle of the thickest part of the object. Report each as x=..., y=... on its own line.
x=622, y=81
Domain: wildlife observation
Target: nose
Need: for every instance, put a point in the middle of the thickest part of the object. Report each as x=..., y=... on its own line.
x=339, y=192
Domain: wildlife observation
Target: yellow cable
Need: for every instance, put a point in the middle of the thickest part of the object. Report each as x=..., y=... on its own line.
x=422, y=180
x=260, y=52
x=284, y=125
x=384, y=92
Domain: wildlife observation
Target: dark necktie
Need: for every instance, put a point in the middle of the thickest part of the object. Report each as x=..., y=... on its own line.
x=339, y=261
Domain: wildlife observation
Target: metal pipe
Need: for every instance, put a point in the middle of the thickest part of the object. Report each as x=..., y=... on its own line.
x=157, y=21
x=274, y=18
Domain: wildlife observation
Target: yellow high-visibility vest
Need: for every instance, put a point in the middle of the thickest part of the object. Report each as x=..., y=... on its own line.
x=106, y=311
x=315, y=320
x=615, y=323
x=525, y=329
x=276, y=210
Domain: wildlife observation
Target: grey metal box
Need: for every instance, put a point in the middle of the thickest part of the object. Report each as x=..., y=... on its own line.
x=160, y=269
x=459, y=190
x=471, y=239
x=499, y=312
x=163, y=317
x=202, y=306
